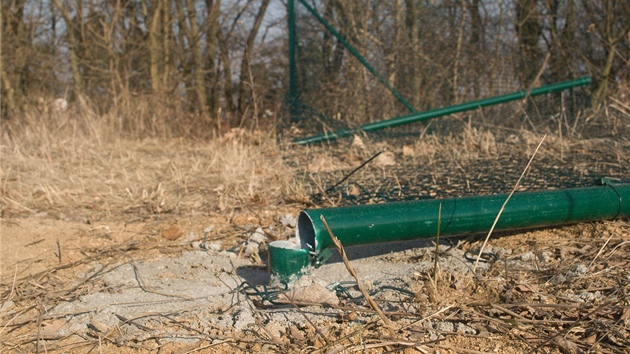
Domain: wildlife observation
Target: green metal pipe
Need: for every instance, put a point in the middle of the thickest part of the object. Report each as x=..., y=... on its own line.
x=380, y=223
x=293, y=79
x=287, y=262
x=447, y=110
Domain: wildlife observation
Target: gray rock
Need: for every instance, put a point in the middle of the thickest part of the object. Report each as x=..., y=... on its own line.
x=528, y=257
x=445, y=326
x=464, y=328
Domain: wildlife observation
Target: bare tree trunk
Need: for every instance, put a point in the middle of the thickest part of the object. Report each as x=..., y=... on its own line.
x=188, y=21
x=245, y=92
x=395, y=57
x=153, y=16
x=166, y=45
x=611, y=29
x=363, y=19
x=8, y=97
x=353, y=26
x=602, y=90
x=529, y=30
x=199, y=77
x=16, y=28
x=73, y=43
x=114, y=56
x=476, y=24
x=228, y=88
x=477, y=47
x=413, y=33
x=458, y=51
x=213, y=8
x=562, y=31
x=332, y=55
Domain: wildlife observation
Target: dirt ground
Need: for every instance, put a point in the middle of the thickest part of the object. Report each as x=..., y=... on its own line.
x=160, y=246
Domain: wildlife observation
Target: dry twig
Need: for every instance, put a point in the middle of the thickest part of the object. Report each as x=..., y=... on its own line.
x=505, y=203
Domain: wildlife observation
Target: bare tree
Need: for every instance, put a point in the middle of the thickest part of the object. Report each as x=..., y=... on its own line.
x=244, y=88
x=477, y=46
x=610, y=22
x=528, y=30
x=73, y=43
x=153, y=11
x=213, y=8
x=213, y=58
x=187, y=15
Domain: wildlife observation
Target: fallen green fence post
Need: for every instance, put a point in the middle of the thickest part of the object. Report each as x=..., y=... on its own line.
x=366, y=224
x=434, y=113
x=401, y=221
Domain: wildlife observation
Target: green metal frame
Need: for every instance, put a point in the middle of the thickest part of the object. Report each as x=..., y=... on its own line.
x=447, y=110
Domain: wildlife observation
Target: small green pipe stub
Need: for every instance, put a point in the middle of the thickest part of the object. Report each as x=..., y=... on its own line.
x=287, y=263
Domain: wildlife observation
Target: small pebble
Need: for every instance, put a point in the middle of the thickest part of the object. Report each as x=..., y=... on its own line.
x=445, y=326
x=288, y=220
x=528, y=257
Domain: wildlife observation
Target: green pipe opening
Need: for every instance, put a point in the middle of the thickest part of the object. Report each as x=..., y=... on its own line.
x=287, y=263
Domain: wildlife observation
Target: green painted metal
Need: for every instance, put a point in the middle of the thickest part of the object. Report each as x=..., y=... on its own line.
x=379, y=223
x=357, y=55
x=293, y=79
x=287, y=263
x=447, y=110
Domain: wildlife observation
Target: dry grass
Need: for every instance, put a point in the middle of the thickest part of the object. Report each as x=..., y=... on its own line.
x=75, y=165
x=60, y=161
x=52, y=161
x=479, y=142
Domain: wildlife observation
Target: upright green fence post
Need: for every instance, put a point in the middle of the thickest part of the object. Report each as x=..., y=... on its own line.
x=293, y=79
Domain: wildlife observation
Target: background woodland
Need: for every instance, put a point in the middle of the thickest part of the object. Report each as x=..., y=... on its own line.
x=173, y=67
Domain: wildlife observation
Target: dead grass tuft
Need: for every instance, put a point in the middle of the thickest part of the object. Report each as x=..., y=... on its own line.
x=61, y=161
